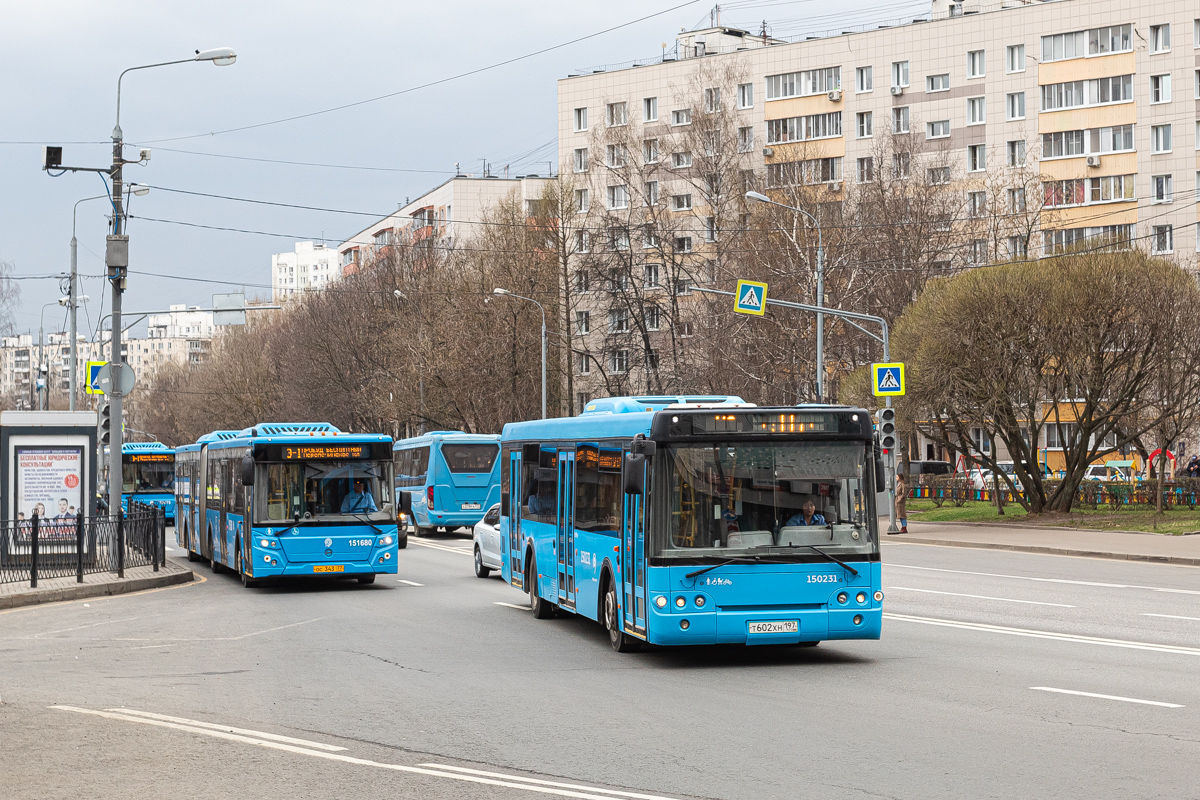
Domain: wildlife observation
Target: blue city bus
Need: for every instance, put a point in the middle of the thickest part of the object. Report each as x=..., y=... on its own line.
x=452, y=477
x=148, y=476
x=287, y=499
x=680, y=520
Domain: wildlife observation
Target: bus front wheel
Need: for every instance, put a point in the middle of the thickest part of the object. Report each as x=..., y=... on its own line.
x=187, y=543
x=247, y=581
x=620, y=641
x=542, y=609
x=366, y=578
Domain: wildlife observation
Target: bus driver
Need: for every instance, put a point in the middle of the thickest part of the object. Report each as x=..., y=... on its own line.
x=808, y=516
x=359, y=500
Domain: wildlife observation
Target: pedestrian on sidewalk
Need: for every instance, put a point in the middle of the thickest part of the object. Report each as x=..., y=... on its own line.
x=902, y=502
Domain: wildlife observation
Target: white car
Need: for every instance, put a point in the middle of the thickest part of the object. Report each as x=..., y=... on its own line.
x=487, y=543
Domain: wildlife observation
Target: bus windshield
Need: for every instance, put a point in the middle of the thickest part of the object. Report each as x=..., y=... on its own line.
x=736, y=498
x=325, y=490
x=155, y=476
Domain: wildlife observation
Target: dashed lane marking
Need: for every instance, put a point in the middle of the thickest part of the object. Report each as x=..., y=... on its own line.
x=1106, y=697
x=1044, y=580
x=434, y=546
x=977, y=596
x=510, y=605
x=613, y=792
x=275, y=737
x=1172, y=616
x=409, y=583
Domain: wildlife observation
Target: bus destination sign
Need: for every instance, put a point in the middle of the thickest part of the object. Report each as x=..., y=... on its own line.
x=324, y=452
x=737, y=422
x=150, y=458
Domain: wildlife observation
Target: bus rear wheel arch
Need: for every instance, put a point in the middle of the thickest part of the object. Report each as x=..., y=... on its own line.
x=247, y=581
x=541, y=608
x=610, y=617
x=187, y=544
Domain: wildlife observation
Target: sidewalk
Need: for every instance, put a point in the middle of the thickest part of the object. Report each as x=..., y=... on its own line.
x=54, y=590
x=1125, y=546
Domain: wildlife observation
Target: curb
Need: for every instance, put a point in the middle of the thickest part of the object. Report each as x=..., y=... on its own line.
x=1018, y=526
x=81, y=591
x=1055, y=551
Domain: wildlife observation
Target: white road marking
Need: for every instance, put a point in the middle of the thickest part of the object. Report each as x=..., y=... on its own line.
x=976, y=596
x=440, y=547
x=222, y=733
x=1172, y=616
x=506, y=776
x=409, y=583
x=1044, y=580
x=1035, y=634
x=510, y=605
x=275, y=737
x=1106, y=697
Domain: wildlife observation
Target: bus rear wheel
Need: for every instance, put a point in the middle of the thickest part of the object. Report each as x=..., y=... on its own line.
x=213, y=563
x=187, y=543
x=620, y=641
x=247, y=581
x=542, y=609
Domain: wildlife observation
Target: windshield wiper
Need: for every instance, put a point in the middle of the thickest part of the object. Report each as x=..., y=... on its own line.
x=834, y=559
x=751, y=559
x=368, y=522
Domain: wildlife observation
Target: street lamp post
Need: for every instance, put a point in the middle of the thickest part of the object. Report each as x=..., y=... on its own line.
x=44, y=390
x=117, y=260
x=762, y=198
x=507, y=293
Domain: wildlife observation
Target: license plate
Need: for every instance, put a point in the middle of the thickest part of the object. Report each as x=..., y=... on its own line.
x=470, y=506
x=775, y=626
x=329, y=568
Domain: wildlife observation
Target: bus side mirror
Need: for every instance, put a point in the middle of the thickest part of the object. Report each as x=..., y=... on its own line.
x=635, y=473
x=643, y=447
x=247, y=470
x=880, y=474
x=406, y=502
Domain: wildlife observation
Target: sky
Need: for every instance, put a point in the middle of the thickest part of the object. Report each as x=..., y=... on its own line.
x=59, y=64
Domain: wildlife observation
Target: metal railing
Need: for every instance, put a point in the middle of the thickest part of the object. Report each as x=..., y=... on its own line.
x=39, y=549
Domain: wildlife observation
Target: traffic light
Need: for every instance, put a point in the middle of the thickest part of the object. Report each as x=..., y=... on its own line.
x=885, y=425
x=104, y=423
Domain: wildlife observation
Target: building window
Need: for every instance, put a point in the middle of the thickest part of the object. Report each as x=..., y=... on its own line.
x=1014, y=58
x=1018, y=247
x=585, y=368
x=976, y=64
x=583, y=243
x=712, y=100
x=618, y=321
x=745, y=95
x=651, y=276
x=618, y=197
x=619, y=361
x=937, y=130
x=976, y=111
x=900, y=119
x=1163, y=239
x=581, y=201
x=649, y=240
x=650, y=109
x=580, y=119
x=681, y=202
x=683, y=285
x=653, y=318
x=804, y=84
x=681, y=116
x=976, y=204
x=977, y=158
x=616, y=115
x=899, y=73
x=651, y=193
x=979, y=252
x=1016, y=200
x=864, y=79
x=1015, y=105
x=1016, y=153
x=1069, y=192
x=683, y=244
x=746, y=139
x=1065, y=144
x=802, y=129
x=1196, y=85
x=1160, y=189
x=1160, y=88
x=863, y=124
x=939, y=176
x=812, y=171
x=866, y=169
x=938, y=83
x=650, y=151
x=710, y=229
x=615, y=155
x=581, y=159
x=583, y=323
x=901, y=165
x=1160, y=138
x=681, y=160
x=1160, y=38
x=1095, y=92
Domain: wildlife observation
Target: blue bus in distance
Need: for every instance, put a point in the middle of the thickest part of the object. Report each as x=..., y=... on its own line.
x=288, y=499
x=148, y=476
x=452, y=477
x=697, y=520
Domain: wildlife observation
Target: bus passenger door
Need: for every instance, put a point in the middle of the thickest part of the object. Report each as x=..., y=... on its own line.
x=566, y=528
x=200, y=495
x=513, y=549
x=633, y=564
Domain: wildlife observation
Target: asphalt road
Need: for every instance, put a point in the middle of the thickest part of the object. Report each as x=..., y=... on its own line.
x=430, y=685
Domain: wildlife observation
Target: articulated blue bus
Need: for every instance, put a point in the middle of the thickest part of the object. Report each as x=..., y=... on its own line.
x=288, y=499
x=453, y=478
x=149, y=476
x=697, y=520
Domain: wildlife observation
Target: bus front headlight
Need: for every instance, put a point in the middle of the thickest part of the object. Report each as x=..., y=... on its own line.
x=385, y=540
x=660, y=601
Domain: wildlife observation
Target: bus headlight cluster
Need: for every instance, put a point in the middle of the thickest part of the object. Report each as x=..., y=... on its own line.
x=267, y=559
x=878, y=596
x=861, y=597
x=660, y=601
x=680, y=602
x=268, y=542
x=843, y=598
x=386, y=556
x=858, y=619
x=699, y=601
x=386, y=540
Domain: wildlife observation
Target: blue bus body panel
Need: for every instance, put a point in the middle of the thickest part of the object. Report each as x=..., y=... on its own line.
x=299, y=551
x=460, y=499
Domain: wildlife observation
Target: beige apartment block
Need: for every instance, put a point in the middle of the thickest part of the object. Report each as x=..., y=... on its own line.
x=1099, y=97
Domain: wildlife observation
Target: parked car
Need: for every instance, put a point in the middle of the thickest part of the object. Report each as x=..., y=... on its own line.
x=980, y=478
x=487, y=543
x=918, y=469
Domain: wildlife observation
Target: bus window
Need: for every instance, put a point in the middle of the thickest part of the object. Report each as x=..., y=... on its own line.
x=469, y=457
x=411, y=466
x=324, y=489
x=598, y=492
x=539, y=483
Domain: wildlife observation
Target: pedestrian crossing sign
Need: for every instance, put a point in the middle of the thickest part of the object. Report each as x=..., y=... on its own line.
x=887, y=380
x=93, y=373
x=750, y=298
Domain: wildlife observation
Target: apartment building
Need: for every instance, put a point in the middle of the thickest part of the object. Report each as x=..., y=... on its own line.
x=309, y=267
x=449, y=213
x=1098, y=98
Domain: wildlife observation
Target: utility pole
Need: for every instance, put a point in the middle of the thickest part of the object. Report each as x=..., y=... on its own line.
x=116, y=257
x=74, y=305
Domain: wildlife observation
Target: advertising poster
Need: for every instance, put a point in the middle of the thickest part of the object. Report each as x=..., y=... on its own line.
x=50, y=482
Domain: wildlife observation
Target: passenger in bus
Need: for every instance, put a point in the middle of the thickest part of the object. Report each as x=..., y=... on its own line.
x=808, y=516
x=359, y=500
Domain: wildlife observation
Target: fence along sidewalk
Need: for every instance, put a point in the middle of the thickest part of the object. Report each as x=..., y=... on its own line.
x=57, y=548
